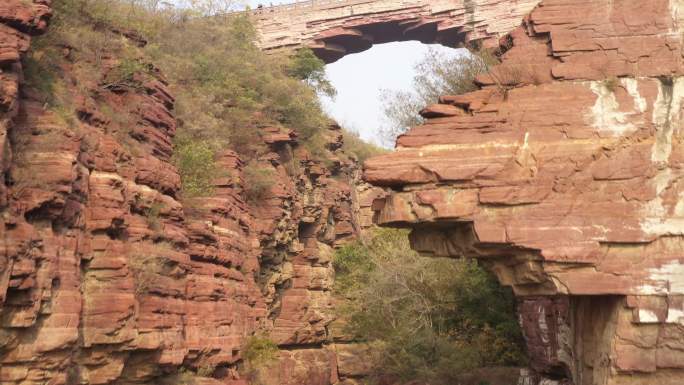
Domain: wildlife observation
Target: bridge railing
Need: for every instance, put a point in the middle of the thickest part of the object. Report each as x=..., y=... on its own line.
x=301, y=5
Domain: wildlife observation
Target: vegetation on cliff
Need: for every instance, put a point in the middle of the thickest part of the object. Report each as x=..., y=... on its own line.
x=427, y=324
x=426, y=319
x=259, y=353
x=225, y=88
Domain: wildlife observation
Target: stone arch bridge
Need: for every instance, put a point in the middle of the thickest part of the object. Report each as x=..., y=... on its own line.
x=335, y=28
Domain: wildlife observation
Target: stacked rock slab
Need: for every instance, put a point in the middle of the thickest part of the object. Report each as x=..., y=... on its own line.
x=334, y=28
x=564, y=174
x=108, y=276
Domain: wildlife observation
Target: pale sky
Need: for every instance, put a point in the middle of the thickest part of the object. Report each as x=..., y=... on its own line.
x=359, y=79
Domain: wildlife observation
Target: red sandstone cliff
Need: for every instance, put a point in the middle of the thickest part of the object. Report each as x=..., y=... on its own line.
x=107, y=278
x=564, y=174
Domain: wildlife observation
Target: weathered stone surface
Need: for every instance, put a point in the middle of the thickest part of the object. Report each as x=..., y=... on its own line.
x=108, y=276
x=335, y=28
x=353, y=360
x=302, y=366
x=563, y=173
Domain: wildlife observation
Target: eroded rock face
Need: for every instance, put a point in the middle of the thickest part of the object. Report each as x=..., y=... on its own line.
x=19, y=20
x=108, y=276
x=335, y=28
x=564, y=174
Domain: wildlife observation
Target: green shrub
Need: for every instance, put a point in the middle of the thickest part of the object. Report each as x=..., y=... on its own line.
x=258, y=182
x=259, y=354
x=362, y=150
x=426, y=319
x=259, y=351
x=124, y=74
x=183, y=376
x=152, y=215
x=611, y=83
x=40, y=73
x=306, y=66
x=195, y=162
x=206, y=370
x=225, y=87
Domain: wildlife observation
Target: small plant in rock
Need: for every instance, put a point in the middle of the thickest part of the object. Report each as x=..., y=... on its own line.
x=152, y=215
x=292, y=167
x=206, y=370
x=125, y=74
x=259, y=352
x=507, y=77
x=611, y=83
x=42, y=74
x=258, y=182
x=145, y=269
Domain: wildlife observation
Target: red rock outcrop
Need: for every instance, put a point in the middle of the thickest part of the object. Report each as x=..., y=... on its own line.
x=564, y=174
x=108, y=276
x=19, y=20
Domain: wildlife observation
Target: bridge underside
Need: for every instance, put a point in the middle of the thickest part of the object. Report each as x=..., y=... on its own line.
x=335, y=28
x=334, y=44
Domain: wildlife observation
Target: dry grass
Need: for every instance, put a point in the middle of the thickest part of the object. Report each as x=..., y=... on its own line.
x=360, y=149
x=225, y=87
x=258, y=182
x=611, y=83
x=145, y=269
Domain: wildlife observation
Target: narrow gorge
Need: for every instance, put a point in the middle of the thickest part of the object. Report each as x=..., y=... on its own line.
x=562, y=174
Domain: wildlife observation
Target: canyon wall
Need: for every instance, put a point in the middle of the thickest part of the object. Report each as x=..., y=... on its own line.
x=109, y=276
x=564, y=175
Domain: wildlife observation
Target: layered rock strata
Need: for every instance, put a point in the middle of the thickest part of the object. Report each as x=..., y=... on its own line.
x=335, y=28
x=564, y=175
x=109, y=276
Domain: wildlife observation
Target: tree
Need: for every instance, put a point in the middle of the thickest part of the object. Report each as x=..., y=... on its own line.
x=436, y=74
x=426, y=319
x=305, y=65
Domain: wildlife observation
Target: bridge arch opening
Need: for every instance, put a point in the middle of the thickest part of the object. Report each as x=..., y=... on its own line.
x=367, y=83
x=335, y=28
x=332, y=45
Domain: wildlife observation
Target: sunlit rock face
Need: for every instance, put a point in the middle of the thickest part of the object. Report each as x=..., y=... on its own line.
x=334, y=28
x=564, y=173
